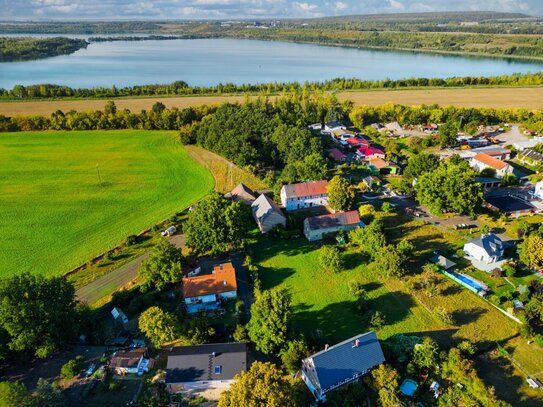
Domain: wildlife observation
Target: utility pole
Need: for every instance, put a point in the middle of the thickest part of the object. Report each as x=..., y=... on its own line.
x=231, y=174
x=98, y=172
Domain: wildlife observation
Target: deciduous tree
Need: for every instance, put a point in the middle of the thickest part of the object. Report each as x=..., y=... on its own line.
x=269, y=326
x=217, y=225
x=163, y=266
x=262, y=385
x=340, y=194
x=531, y=250
x=158, y=326
x=331, y=259
x=37, y=313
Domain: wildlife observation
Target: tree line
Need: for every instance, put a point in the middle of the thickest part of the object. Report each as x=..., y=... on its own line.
x=28, y=48
x=179, y=88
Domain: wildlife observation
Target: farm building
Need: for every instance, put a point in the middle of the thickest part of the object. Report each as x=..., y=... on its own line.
x=487, y=248
x=481, y=161
x=522, y=145
x=241, y=193
x=128, y=362
x=304, y=195
x=341, y=364
x=205, y=291
x=267, y=214
x=317, y=227
x=203, y=367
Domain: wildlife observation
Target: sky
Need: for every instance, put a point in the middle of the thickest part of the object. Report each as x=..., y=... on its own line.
x=225, y=9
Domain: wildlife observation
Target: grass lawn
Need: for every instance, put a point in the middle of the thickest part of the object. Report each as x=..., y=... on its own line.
x=322, y=300
x=55, y=213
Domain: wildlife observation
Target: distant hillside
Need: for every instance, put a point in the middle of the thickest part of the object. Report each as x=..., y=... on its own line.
x=459, y=16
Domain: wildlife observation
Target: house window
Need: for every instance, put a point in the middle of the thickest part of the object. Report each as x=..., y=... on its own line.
x=218, y=369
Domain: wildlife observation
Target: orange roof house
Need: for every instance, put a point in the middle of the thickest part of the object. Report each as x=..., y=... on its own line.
x=481, y=161
x=490, y=161
x=205, y=292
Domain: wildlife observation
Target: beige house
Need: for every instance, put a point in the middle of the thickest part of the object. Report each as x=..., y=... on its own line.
x=317, y=227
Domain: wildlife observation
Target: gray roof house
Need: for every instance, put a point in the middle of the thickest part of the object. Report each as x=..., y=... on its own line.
x=341, y=364
x=212, y=365
x=267, y=214
x=241, y=193
x=486, y=248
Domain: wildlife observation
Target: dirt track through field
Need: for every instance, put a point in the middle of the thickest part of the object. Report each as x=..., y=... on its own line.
x=529, y=98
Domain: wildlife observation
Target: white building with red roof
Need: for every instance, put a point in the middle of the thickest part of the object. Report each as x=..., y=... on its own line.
x=483, y=160
x=304, y=195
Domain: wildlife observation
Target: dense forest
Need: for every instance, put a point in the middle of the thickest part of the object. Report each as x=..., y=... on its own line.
x=525, y=46
x=27, y=48
x=43, y=91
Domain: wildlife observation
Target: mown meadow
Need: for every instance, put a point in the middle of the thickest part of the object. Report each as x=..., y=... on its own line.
x=68, y=196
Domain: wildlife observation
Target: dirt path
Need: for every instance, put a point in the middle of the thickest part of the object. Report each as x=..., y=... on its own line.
x=513, y=97
x=120, y=277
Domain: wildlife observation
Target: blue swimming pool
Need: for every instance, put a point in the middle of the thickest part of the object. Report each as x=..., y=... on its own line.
x=466, y=280
x=409, y=387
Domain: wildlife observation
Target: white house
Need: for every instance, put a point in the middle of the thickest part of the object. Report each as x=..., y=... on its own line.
x=538, y=193
x=304, y=195
x=201, y=367
x=317, y=227
x=205, y=291
x=487, y=248
x=481, y=161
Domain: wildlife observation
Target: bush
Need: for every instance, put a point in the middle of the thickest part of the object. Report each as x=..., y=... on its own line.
x=131, y=240
x=386, y=207
x=444, y=316
x=497, y=272
x=356, y=288
x=72, y=368
x=539, y=340
x=526, y=331
x=377, y=320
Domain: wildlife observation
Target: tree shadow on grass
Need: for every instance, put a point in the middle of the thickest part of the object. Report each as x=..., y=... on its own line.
x=467, y=316
x=394, y=305
x=353, y=260
x=452, y=289
x=267, y=248
x=273, y=277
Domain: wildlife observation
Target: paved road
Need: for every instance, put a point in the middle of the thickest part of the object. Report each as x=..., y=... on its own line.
x=120, y=277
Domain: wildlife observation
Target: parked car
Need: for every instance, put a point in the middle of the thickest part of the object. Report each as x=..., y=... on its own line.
x=90, y=370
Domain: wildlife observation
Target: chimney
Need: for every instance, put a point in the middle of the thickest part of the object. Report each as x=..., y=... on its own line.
x=325, y=347
x=224, y=282
x=213, y=354
x=356, y=344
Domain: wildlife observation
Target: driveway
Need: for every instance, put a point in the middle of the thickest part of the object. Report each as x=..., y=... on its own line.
x=120, y=277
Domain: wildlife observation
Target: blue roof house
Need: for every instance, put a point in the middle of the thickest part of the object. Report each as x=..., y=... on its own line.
x=341, y=364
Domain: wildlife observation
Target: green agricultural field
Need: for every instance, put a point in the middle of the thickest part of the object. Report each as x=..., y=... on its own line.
x=57, y=212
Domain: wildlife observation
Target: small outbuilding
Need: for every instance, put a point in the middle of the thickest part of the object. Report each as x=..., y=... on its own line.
x=241, y=193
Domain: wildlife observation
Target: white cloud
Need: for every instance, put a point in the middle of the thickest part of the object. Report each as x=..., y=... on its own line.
x=340, y=5
x=396, y=5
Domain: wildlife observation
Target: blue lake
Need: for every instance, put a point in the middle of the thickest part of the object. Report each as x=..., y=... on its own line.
x=207, y=62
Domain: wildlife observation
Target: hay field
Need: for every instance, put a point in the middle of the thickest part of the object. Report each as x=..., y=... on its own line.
x=514, y=97
x=57, y=212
